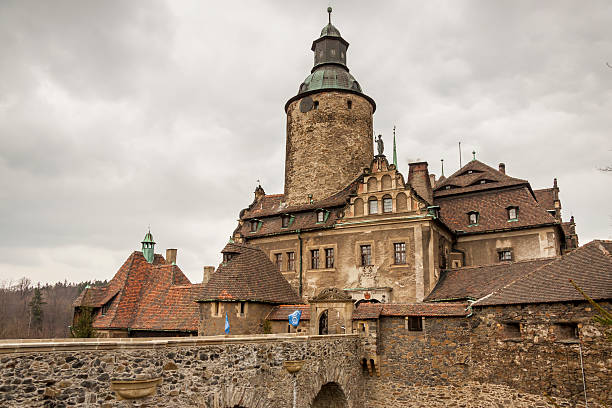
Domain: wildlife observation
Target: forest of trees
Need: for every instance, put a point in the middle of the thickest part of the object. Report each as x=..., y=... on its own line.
x=29, y=311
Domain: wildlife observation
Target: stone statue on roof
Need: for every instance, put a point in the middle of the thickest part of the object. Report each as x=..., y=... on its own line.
x=380, y=145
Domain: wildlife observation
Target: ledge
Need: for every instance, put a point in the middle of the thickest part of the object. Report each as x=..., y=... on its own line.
x=51, y=345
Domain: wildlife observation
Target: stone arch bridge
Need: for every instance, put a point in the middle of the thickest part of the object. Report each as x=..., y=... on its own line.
x=212, y=372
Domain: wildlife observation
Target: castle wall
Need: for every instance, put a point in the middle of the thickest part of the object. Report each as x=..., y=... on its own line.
x=212, y=319
x=525, y=244
x=327, y=147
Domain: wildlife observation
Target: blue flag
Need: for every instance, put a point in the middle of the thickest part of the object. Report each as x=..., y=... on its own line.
x=226, y=324
x=294, y=318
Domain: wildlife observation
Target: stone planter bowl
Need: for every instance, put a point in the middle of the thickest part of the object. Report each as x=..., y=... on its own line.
x=133, y=389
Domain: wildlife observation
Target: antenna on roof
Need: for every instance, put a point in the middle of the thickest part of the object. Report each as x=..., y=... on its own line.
x=329, y=11
x=473, y=154
x=460, y=165
x=442, y=160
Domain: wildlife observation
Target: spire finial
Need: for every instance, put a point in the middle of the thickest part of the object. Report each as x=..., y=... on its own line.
x=329, y=11
x=442, y=160
x=473, y=154
x=394, y=149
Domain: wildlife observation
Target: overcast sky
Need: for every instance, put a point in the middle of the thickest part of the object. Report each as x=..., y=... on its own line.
x=117, y=115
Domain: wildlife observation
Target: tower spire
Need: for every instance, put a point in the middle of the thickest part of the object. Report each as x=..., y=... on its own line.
x=394, y=149
x=148, y=247
x=442, y=160
x=329, y=11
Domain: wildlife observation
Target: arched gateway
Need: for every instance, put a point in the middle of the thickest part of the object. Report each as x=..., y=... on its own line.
x=330, y=396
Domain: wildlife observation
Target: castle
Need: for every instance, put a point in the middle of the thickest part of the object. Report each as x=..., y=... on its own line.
x=357, y=247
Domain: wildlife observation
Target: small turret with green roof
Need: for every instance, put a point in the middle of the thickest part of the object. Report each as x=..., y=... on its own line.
x=148, y=247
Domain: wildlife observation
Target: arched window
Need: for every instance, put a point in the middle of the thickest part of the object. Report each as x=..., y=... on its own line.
x=372, y=205
x=387, y=204
x=323, y=329
x=372, y=184
x=358, y=207
x=386, y=182
x=401, y=202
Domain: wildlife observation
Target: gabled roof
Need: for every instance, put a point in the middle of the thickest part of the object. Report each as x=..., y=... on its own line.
x=248, y=276
x=467, y=179
x=545, y=198
x=374, y=310
x=282, y=312
x=492, y=208
x=474, y=282
x=589, y=266
x=142, y=296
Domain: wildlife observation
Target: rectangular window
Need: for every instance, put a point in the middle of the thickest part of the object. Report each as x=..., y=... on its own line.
x=415, y=323
x=254, y=225
x=512, y=213
x=284, y=221
x=242, y=308
x=329, y=258
x=373, y=206
x=278, y=261
x=288, y=328
x=399, y=248
x=314, y=259
x=320, y=216
x=505, y=255
x=217, y=309
x=473, y=218
x=227, y=257
x=511, y=330
x=366, y=255
x=567, y=331
x=387, y=204
x=291, y=261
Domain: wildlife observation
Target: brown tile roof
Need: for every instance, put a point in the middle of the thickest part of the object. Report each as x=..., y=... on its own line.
x=366, y=311
x=424, y=309
x=492, y=208
x=474, y=282
x=589, y=266
x=282, y=312
x=545, y=198
x=248, y=276
x=301, y=221
x=462, y=181
x=143, y=296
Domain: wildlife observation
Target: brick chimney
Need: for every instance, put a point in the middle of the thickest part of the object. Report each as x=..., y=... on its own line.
x=171, y=256
x=502, y=168
x=432, y=180
x=208, y=271
x=418, y=178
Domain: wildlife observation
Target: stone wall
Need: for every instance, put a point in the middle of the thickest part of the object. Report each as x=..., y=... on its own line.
x=250, y=321
x=327, y=147
x=450, y=352
x=204, y=372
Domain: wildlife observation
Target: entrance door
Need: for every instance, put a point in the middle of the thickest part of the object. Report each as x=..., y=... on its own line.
x=323, y=323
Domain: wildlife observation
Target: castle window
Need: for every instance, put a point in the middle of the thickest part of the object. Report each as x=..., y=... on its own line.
x=511, y=330
x=314, y=259
x=216, y=309
x=399, y=250
x=473, y=218
x=387, y=204
x=285, y=221
x=278, y=261
x=414, y=323
x=227, y=256
x=552, y=212
x=373, y=205
x=291, y=261
x=329, y=258
x=512, y=213
x=315, y=105
x=321, y=216
x=504, y=255
x=366, y=255
x=254, y=225
x=567, y=331
x=242, y=308
x=349, y=104
x=483, y=181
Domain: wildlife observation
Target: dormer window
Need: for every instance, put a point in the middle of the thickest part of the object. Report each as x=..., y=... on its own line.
x=470, y=171
x=254, y=225
x=285, y=221
x=447, y=187
x=473, y=217
x=227, y=256
x=512, y=213
x=320, y=216
x=483, y=181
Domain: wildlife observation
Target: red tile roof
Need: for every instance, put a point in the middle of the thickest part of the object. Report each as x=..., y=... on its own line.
x=145, y=296
x=492, y=208
x=248, y=276
x=366, y=311
x=589, y=266
x=467, y=179
x=545, y=198
x=424, y=309
x=474, y=282
x=282, y=312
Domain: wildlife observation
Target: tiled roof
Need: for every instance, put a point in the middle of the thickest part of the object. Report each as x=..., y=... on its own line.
x=545, y=198
x=367, y=311
x=282, y=312
x=301, y=221
x=474, y=282
x=248, y=276
x=462, y=181
x=492, y=208
x=589, y=266
x=424, y=309
x=144, y=296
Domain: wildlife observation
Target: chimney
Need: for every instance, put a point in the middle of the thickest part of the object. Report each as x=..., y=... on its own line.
x=432, y=180
x=418, y=178
x=171, y=256
x=208, y=271
x=502, y=168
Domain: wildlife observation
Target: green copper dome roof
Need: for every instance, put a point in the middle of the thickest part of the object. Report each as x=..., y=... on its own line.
x=148, y=238
x=329, y=76
x=330, y=30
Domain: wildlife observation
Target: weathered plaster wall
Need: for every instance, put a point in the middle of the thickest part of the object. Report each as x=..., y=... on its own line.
x=198, y=372
x=249, y=322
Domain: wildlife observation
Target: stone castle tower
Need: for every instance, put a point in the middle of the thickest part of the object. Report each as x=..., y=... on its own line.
x=329, y=125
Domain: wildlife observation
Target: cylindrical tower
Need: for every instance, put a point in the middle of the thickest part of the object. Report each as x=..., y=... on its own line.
x=329, y=125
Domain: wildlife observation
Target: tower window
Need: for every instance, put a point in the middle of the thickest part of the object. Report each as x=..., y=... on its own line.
x=315, y=105
x=473, y=218
x=373, y=205
x=349, y=104
x=366, y=255
x=314, y=259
